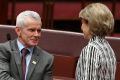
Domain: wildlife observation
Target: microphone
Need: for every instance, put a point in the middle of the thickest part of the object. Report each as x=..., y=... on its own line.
x=8, y=36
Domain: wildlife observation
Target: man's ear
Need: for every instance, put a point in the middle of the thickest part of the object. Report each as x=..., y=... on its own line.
x=18, y=31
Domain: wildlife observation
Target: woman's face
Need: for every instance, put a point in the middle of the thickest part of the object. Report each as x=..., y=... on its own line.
x=85, y=28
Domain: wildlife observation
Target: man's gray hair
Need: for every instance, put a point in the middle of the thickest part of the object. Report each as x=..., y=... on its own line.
x=21, y=18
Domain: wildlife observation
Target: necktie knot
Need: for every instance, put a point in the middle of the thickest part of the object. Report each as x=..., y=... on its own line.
x=24, y=51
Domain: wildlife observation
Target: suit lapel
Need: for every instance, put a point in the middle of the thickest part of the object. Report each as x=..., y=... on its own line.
x=16, y=54
x=34, y=60
x=18, y=61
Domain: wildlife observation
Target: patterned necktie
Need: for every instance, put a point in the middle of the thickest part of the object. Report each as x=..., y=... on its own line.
x=24, y=52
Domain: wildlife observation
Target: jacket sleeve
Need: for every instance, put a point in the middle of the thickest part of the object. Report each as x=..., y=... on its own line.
x=49, y=71
x=4, y=65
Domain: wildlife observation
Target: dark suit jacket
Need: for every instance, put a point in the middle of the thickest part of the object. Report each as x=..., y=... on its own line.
x=40, y=66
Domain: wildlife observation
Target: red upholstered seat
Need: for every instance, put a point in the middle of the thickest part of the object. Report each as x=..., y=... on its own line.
x=64, y=66
x=21, y=6
x=117, y=76
x=66, y=10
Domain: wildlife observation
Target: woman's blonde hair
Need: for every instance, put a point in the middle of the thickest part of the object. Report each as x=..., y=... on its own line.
x=99, y=18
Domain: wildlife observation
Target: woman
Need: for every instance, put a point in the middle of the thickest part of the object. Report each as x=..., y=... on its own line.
x=97, y=60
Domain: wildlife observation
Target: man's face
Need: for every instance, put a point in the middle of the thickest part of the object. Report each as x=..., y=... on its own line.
x=30, y=34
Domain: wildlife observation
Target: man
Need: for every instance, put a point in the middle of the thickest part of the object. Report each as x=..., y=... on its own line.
x=37, y=63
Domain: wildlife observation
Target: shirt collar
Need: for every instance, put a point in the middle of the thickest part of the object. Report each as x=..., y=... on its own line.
x=98, y=38
x=21, y=46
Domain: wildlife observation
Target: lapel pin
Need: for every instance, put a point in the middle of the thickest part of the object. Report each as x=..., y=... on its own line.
x=34, y=62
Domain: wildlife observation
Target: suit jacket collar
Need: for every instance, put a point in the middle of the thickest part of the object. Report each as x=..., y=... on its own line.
x=34, y=60
x=16, y=52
